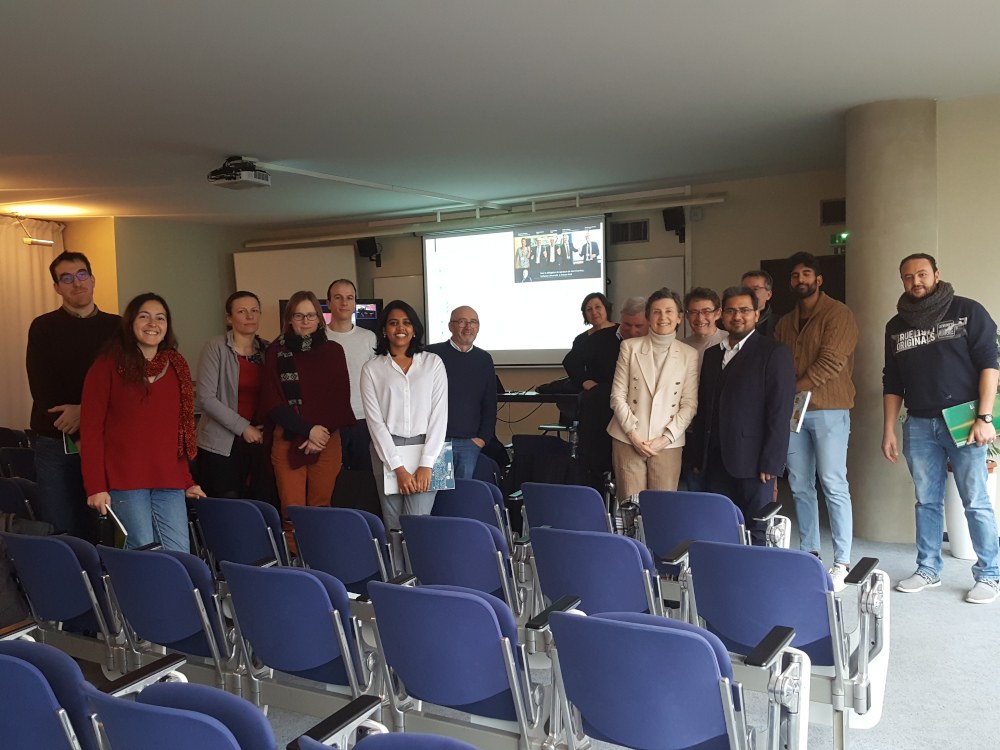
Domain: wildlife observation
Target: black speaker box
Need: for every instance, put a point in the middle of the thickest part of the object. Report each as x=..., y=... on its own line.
x=367, y=247
x=673, y=221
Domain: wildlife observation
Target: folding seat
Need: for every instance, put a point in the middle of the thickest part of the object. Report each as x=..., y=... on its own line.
x=456, y=648
x=393, y=741
x=608, y=572
x=13, y=500
x=460, y=552
x=650, y=683
x=17, y=462
x=168, y=598
x=348, y=544
x=167, y=716
x=565, y=506
x=65, y=679
x=241, y=531
x=62, y=579
x=476, y=499
x=31, y=715
x=298, y=622
x=740, y=592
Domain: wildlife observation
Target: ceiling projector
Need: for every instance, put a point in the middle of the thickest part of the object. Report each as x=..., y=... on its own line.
x=239, y=173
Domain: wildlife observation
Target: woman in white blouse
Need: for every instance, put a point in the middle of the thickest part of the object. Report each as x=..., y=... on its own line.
x=654, y=397
x=405, y=397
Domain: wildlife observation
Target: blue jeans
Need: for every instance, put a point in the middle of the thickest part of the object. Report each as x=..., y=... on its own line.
x=61, y=495
x=153, y=516
x=820, y=447
x=465, y=453
x=928, y=447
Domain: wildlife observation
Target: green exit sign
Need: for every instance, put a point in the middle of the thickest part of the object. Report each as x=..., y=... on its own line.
x=839, y=238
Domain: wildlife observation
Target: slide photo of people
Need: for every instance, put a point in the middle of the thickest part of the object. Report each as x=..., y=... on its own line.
x=558, y=252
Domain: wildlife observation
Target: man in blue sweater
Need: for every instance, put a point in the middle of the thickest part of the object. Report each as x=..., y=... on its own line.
x=472, y=390
x=941, y=351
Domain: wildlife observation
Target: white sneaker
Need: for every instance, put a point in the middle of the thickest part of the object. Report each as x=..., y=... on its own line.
x=983, y=592
x=917, y=582
x=838, y=573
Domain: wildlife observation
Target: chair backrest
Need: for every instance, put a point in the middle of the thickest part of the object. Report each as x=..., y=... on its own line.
x=455, y=552
x=247, y=723
x=50, y=570
x=741, y=592
x=669, y=518
x=285, y=614
x=18, y=462
x=130, y=724
x=471, y=498
x=155, y=590
x=31, y=715
x=607, y=571
x=13, y=500
x=11, y=438
x=64, y=678
x=431, y=636
x=338, y=541
x=486, y=469
x=237, y=531
x=564, y=506
x=616, y=667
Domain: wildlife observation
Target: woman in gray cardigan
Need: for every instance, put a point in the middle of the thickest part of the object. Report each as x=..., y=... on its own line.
x=230, y=455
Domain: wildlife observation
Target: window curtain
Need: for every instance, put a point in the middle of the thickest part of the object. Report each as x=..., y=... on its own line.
x=25, y=292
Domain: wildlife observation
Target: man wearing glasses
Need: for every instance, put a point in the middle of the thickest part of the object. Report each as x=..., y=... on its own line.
x=62, y=345
x=702, y=308
x=472, y=390
x=745, y=396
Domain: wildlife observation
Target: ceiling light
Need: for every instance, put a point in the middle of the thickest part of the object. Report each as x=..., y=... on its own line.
x=48, y=210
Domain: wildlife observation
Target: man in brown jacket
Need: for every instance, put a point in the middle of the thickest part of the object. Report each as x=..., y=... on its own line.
x=822, y=334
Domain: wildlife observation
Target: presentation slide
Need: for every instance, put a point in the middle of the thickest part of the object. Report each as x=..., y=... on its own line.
x=526, y=284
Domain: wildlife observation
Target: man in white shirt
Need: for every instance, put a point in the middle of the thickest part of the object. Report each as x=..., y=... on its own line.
x=359, y=346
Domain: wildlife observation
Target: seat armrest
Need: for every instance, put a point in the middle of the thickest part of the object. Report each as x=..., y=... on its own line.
x=404, y=579
x=151, y=545
x=515, y=495
x=16, y=630
x=773, y=510
x=765, y=652
x=861, y=570
x=134, y=681
x=350, y=716
x=562, y=604
x=266, y=562
x=678, y=554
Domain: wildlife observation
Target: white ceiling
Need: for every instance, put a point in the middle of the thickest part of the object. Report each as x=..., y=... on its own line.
x=121, y=108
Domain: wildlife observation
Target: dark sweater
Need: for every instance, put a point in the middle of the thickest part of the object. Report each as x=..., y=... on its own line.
x=938, y=367
x=61, y=348
x=472, y=391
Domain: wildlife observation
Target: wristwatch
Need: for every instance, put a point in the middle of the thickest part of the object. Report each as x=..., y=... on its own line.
x=988, y=418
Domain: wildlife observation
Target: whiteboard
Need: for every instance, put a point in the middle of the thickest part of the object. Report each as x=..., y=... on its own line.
x=410, y=289
x=639, y=278
x=277, y=274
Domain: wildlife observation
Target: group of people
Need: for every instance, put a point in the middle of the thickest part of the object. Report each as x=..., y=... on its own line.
x=114, y=404
x=713, y=411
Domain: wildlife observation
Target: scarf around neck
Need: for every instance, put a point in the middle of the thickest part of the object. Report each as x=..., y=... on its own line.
x=928, y=311
x=187, y=447
x=289, y=344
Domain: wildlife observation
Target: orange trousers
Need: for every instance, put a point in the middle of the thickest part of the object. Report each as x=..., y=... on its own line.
x=305, y=485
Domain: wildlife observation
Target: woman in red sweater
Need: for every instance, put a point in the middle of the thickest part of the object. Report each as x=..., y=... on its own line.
x=137, y=428
x=306, y=399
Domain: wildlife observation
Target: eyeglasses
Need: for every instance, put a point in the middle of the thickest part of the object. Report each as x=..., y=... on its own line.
x=299, y=317
x=701, y=313
x=737, y=310
x=463, y=322
x=69, y=278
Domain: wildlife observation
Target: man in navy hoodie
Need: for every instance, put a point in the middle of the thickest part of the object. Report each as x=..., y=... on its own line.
x=941, y=351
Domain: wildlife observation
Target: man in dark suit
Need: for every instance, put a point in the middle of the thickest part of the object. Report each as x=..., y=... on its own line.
x=745, y=397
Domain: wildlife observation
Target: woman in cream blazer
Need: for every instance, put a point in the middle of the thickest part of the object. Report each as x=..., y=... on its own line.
x=654, y=397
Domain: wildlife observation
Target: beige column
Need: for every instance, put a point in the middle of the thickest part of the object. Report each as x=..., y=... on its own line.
x=892, y=209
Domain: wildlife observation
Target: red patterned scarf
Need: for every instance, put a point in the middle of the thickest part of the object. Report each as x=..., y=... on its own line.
x=187, y=447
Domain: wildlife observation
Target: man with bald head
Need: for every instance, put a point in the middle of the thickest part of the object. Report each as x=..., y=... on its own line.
x=472, y=390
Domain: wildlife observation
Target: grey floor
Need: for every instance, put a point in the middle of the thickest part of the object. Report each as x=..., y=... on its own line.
x=943, y=687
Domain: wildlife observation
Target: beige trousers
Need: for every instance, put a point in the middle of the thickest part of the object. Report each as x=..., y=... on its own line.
x=634, y=473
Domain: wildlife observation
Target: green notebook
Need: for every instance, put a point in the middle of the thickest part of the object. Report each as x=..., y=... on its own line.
x=960, y=418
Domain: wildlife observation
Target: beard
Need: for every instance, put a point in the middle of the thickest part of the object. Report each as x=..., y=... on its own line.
x=803, y=291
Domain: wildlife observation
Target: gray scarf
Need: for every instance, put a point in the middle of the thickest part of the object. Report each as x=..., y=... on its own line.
x=928, y=311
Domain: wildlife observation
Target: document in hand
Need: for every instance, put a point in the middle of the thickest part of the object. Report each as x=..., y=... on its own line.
x=960, y=417
x=799, y=407
x=442, y=474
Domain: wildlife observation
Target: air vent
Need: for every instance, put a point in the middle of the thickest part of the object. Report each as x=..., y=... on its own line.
x=833, y=212
x=629, y=231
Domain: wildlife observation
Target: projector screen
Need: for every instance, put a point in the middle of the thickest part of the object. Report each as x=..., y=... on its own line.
x=526, y=284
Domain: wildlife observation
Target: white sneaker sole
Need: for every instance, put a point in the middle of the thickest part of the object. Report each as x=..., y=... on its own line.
x=970, y=600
